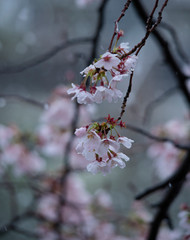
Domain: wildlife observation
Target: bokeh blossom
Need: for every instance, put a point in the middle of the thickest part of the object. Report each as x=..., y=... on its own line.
x=166, y=156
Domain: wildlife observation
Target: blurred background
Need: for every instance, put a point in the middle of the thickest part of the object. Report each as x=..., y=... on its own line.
x=29, y=29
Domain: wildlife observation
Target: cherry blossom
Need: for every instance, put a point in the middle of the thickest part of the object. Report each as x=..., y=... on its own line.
x=76, y=213
x=184, y=219
x=116, y=64
x=101, y=147
x=6, y=135
x=166, y=157
x=19, y=152
x=107, y=61
x=55, y=123
x=24, y=161
x=60, y=113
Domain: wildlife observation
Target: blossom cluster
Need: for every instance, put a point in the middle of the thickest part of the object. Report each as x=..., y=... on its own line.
x=97, y=143
x=54, y=131
x=184, y=220
x=116, y=64
x=25, y=153
x=18, y=152
x=79, y=213
x=166, y=157
x=84, y=214
x=139, y=220
x=100, y=144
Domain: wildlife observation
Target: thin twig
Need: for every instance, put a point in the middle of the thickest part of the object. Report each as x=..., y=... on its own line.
x=173, y=63
x=150, y=27
x=100, y=24
x=25, y=232
x=124, y=103
x=126, y=6
x=176, y=41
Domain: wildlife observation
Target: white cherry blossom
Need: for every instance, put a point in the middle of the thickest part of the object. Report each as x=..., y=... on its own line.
x=107, y=61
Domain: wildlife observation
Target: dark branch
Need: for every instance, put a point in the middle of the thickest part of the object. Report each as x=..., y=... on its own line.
x=158, y=139
x=177, y=176
x=181, y=77
x=137, y=48
x=124, y=103
x=176, y=41
x=126, y=6
x=175, y=184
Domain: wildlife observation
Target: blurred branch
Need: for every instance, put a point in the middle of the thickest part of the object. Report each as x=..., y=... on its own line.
x=4, y=229
x=169, y=197
x=158, y=139
x=151, y=106
x=181, y=77
x=24, y=232
x=174, y=185
x=176, y=40
x=163, y=209
x=23, y=99
x=100, y=24
x=151, y=25
x=44, y=57
x=12, y=195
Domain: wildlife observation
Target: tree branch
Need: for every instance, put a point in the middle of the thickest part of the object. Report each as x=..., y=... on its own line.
x=181, y=77
x=44, y=57
x=100, y=24
x=126, y=6
x=175, y=184
x=158, y=139
x=24, y=99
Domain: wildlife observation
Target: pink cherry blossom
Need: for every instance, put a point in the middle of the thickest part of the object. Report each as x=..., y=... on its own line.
x=130, y=63
x=24, y=161
x=103, y=199
x=125, y=141
x=184, y=220
x=81, y=132
x=124, y=46
x=88, y=70
x=165, y=158
x=6, y=135
x=103, y=93
x=83, y=97
x=107, y=61
x=53, y=140
x=60, y=113
x=101, y=148
x=91, y=145
x=116, y=64
x=168, y=234
x=47, y=206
